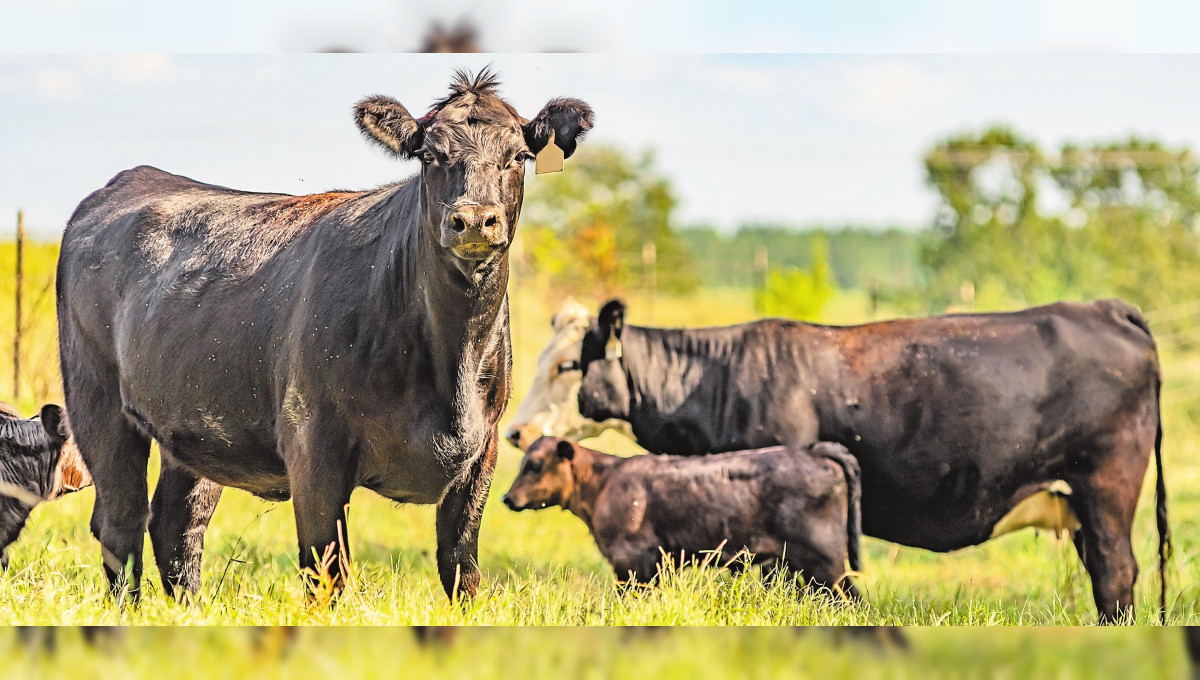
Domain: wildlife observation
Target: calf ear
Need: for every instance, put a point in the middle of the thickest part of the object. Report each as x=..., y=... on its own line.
x=612, y=322
x=565, y=450
x=386, y=122
x=55, y=422
x=570, y=119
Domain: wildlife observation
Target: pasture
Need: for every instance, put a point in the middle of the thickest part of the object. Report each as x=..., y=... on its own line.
x=595, y=653
x=542, y=568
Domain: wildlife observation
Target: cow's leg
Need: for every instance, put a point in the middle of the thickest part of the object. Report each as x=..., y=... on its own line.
x=116, y=454
x=4, y=558
x=1105, y=499
x=179, y=514
x=320, y=496
x=458, y=518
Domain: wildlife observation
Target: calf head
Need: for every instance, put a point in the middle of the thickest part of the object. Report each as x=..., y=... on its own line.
x=38, y=462
x=70, y=473
x=551, y=406
x=472, y=146
x=546, y=477
x=603, y=389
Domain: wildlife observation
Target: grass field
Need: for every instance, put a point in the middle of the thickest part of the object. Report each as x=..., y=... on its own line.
x=541, y=568
x=598, y=654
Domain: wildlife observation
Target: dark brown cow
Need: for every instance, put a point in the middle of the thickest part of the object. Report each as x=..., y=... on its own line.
x=302, y=346
x=792, y=507
x=958, y=421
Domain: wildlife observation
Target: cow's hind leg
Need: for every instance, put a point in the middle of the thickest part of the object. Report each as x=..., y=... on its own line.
x=179, y=514
x=458, y=518
x=1105, y=499
x=116, y=453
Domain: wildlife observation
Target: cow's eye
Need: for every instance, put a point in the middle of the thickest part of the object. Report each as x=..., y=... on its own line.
x=568, y=366
x=428, y=156
x=535, y=466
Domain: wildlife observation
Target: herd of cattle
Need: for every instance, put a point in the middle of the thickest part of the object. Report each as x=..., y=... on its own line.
x=302, y=346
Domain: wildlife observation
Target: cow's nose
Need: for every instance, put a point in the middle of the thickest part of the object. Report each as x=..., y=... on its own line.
x=508, y=502
x=485, y=221
x=513, y=436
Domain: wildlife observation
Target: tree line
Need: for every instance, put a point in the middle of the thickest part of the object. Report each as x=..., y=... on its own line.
x=1015, y=225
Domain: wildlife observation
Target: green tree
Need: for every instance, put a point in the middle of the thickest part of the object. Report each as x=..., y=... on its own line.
x=585, y=228
x=799, y=293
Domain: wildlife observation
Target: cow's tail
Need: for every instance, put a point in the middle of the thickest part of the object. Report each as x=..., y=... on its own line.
x=853, y=474
x=1160, y=501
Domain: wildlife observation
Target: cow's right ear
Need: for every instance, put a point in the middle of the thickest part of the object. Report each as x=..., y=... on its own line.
x=386, y=122
x=565, y=450
x=55, y=422
x=612, y=323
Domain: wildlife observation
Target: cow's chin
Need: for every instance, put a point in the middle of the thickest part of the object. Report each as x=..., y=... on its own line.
x=474, y=260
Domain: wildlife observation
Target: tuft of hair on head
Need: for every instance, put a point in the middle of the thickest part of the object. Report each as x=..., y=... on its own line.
x=485, y=82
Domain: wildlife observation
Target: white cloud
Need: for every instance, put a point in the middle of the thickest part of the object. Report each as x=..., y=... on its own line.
x=58, y=84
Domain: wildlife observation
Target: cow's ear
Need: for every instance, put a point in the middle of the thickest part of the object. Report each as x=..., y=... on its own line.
x=386, y=122
x=570, y=119
x=612, y=323
x=55, y=422
x=565, y=450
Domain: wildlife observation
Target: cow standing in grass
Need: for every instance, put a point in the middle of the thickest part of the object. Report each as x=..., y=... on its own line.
x=966, y=426
x=302, y=346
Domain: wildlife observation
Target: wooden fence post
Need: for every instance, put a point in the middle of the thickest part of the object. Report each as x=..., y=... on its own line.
x=759, y=283
x=20, y=285
x=650, y=275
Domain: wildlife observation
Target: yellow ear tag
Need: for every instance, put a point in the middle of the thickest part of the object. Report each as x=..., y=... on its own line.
x=612, y=348
x=549, y=159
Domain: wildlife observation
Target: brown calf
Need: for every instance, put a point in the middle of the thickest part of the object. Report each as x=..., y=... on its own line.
x=796, y=507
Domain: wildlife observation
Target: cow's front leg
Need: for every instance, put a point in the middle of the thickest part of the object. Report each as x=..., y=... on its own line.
x=458, y=518
x=321, y=472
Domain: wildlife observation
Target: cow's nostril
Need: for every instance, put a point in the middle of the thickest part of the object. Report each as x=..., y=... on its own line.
x=457, y=223
x=490, y=220
x=508, y=502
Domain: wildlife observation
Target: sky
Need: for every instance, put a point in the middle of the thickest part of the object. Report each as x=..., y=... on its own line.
x=803, y=140
x=657, y=26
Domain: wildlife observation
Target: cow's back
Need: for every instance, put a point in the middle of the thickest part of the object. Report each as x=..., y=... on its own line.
x=736, y=496
x=183, y=296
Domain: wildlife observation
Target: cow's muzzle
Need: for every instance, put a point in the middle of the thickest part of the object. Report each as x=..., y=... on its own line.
x=473, y=232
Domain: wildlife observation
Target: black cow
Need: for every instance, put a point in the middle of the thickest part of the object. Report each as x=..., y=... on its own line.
x=302, y=346
x=38, y=463
x=794, y=508
x=954, y=419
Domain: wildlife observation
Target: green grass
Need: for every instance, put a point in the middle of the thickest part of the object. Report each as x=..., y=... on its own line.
x=542, y=568
x=600, y=654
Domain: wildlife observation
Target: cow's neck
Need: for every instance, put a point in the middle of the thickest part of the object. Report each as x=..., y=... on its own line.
x=464, y=319
x=590, y=469
x=666, y=369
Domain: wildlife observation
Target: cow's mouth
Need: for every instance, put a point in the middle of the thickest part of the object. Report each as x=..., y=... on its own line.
x=473, y=252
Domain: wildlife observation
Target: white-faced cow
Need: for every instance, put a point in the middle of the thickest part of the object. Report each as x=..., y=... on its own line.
x=966, y=426
x=550, y=406
x=302, y=346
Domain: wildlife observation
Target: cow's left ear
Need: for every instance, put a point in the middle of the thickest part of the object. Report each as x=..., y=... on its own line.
x=55, y=422
x=565, y=450
x=612, y=323
x=570, y=119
